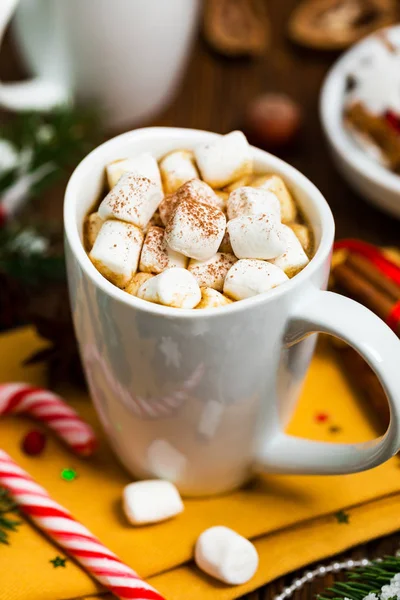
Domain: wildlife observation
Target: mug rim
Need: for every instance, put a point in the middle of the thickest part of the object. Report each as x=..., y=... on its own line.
x=71, y=228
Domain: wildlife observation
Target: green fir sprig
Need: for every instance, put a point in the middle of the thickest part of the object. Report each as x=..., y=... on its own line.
x=365, y=580
x=60, y=138
x=28, y=255
x=8, y=524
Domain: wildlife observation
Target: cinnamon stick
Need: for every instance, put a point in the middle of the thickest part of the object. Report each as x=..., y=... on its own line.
x=361, y=289
x=374, y=275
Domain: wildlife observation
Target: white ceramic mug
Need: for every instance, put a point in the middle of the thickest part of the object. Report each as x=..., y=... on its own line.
x=202, y=397
x=125, y=55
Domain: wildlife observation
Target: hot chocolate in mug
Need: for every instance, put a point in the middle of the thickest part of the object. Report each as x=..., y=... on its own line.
x=202, y=397
x=127, y=56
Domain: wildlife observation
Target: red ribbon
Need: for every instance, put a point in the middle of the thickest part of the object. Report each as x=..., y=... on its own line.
x=385, y=266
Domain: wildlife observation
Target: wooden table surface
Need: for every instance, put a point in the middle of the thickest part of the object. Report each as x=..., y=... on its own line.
x=213, y=96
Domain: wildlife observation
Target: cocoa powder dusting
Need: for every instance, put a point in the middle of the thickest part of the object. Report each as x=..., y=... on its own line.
x=201, y=217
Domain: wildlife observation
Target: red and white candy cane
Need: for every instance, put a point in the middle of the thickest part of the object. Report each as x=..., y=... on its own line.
x=17, y=398
x=69, y=534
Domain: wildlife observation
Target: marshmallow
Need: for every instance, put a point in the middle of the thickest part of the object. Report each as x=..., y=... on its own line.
x=242, y=182
x=225, y=159
x=166, y=207
x=134, y=199
x=210, y=298
x=151, y=501
x=251, y=277
x=144, y=165
x=195, y=230
x=226, y=555
x=303, y=234
x=225, y=245
x=174, y=287
x=275, y=184
x=256, y=236
x=177, y=168
x=252, y=201
x=116, y=251
x=91, y=228
x=156, y=256
x=195, y=190
x=294, y=258
x=212, y=272
x=136, y=281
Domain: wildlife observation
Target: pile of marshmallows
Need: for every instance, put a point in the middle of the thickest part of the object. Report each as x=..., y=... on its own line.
x=219, y=551
x=207, y=242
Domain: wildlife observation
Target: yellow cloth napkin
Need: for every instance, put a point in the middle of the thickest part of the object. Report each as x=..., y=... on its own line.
x=291, y=518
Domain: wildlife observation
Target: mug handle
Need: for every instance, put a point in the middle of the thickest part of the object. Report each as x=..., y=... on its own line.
x=337, y=315
x=37, y=94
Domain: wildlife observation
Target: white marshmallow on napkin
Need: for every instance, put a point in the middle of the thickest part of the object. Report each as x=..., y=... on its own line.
x=151, y=501
x=177, y=168
x=276, y=185
x=294, y=258
x=226, y=555
x=195, y=229
x=224, y=159
x=134, y=199
x=212, y=272
x=256, y=236
x=173, y=287
x=144, y=165
x=195, y=190
x=210, y=298
x=156, y=256
x=253, y=201
x=252, y=277
x=137, y=280
x=93, y=224
x=116, y=251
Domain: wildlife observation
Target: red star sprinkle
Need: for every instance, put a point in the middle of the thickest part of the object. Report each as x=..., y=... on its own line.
x=321, y=417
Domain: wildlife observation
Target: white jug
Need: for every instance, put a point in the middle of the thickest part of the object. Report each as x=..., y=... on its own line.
x=126, y=56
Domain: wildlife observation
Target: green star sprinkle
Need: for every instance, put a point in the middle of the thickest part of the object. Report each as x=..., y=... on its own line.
x=342, y=517
x=69, y=474
x=58, y=562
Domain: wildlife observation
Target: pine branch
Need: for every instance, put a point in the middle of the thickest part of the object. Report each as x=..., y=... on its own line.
x=7, y=524
x=28, y=257
x=61, y=137
x=365, y=580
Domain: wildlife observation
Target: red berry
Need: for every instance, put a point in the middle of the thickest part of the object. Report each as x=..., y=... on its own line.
x=33, y=443
x=272, y=120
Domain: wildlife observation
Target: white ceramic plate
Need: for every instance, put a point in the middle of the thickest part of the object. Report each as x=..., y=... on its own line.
x=372, y=180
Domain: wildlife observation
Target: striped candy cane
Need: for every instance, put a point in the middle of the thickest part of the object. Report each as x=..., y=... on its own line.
x=59, y=525
x=16, y=398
